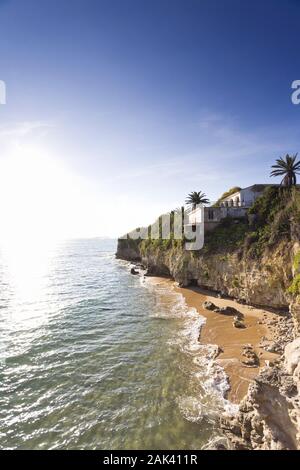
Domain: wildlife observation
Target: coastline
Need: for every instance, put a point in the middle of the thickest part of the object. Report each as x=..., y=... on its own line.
x=218, y=330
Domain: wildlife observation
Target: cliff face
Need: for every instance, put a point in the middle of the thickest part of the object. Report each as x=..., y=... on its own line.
x=269, y=415
x=261, y=281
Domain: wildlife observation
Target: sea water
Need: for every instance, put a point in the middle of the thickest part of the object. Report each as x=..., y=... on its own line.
x=93, y=357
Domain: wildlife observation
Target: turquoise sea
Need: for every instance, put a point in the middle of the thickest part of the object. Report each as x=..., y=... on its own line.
x=93, y=357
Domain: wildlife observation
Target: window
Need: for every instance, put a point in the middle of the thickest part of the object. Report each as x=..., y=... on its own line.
x=210, y=214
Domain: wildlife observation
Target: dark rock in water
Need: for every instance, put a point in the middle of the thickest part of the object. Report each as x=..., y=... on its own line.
x=134, y=271
x=237, y=323
x=140, y=266
x=210, y=306
x=182, y=284
x=217, y=352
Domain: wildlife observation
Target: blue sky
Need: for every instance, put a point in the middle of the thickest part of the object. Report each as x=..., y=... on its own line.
x=137, y=102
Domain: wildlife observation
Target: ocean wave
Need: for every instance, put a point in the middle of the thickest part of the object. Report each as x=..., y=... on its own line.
x=203, y=367
x=88, y=367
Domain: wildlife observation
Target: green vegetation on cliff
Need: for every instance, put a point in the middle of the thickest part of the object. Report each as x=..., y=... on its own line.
x=274, y=214
x=228, y=236
x=296, y=263
x=269, y=221
x=294, y=288
x=228, y=193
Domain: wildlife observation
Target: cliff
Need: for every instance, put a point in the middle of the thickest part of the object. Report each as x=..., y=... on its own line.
x=258, y=264
x=262, y=281
x=251, y=262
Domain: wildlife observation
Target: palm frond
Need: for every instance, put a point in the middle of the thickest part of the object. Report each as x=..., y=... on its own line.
x=197, y=197
x=287, y=167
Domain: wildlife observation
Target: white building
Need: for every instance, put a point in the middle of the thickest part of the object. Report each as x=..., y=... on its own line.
x=245, y=197
x=235, y=206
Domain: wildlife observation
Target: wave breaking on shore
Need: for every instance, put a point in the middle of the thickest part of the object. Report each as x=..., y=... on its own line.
x=208, y=384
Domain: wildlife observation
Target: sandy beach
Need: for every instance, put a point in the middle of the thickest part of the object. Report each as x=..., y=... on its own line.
x=219, y=330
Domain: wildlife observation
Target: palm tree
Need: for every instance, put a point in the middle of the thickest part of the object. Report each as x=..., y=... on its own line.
x=195, y=198
x=287, y=167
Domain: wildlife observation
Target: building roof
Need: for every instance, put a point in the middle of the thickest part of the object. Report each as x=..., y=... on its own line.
x=256, y=188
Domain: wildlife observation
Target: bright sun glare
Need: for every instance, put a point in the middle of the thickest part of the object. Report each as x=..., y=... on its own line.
x=39, y=199
x=32, y=195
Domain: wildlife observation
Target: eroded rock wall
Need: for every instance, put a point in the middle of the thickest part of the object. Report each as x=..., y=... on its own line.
x=261, y=281
x=269, y=415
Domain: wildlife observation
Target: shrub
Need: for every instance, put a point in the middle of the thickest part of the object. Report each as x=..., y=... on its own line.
x=274, y=211
x=227, y=236
x=228, y=193
x=296, y=262
x=294, y=288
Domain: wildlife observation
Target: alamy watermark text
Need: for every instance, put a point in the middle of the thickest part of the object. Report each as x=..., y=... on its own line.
x=2, y=92
x=295, y=97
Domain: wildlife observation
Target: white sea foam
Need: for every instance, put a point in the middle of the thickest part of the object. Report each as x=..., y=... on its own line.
x=214, y=441
x=203, y=366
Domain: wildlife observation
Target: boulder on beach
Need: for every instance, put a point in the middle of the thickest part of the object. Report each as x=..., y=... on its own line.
x=274, y=348
x=238, y=323
x=231, y=311
x=228, y=311
x=210, y=306
x=250, y=358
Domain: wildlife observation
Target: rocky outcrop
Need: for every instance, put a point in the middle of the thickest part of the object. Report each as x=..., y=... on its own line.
x=207, y=305
x=238, y=323
x=295, y=313
x=128, y=250
x=261, y=281
x=269, y=415
x=250, y=358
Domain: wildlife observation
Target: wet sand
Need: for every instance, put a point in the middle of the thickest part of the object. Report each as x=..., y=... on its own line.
x=219, y=330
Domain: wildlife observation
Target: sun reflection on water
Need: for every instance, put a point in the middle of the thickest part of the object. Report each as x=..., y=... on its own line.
x=26, y=264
